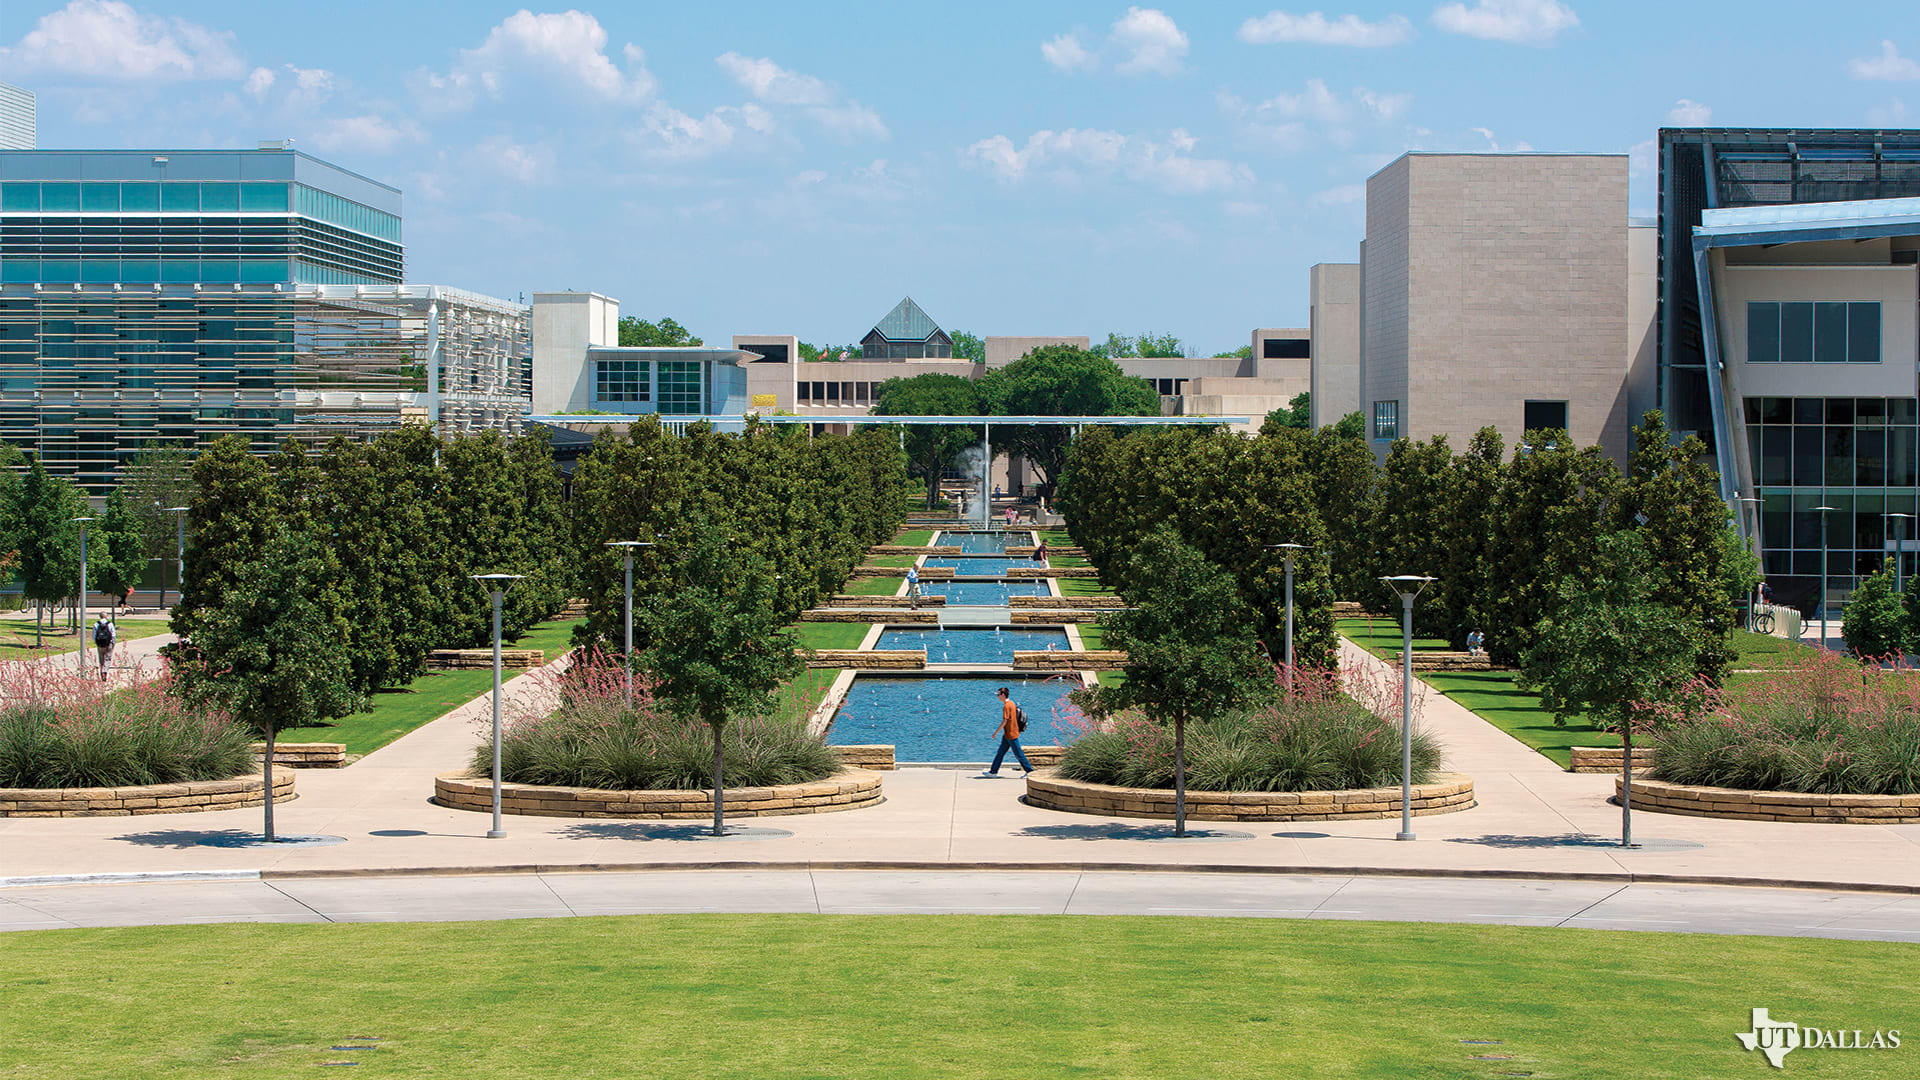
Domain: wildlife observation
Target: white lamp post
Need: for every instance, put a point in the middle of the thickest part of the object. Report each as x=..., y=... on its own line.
x=1753, y=545
x=496, y=585
x=1289, y=549
x=179, y=554
x=626, y=655
x=83, y=587
x=1824, y=510
x=1408, y=586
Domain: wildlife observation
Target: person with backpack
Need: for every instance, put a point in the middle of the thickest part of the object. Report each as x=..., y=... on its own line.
x=913, y=587
x=1013, y=721
x=104, y=635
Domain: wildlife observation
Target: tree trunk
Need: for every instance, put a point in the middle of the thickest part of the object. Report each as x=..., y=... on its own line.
x=1179, y=776
x=266, y=773
x=719, y=782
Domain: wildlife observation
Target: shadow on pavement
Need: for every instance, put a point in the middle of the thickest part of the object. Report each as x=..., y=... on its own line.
x=181, y=839
x=630, y=830
x=1119, y=831
x=1510, y=841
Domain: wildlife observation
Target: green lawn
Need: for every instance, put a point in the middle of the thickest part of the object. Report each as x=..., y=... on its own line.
x=914, y=536
x=1382, y=637
x=1769, y=652
x=831, y=635
x=891, y=560
x=1009, y=997
x=877, y=586
x=1091, y=635
x=1056, y=537
x=427, y=698
x=1084, y=587
x=16, y=639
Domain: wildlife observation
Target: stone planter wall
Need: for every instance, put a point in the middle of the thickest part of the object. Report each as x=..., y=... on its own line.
x=879, y=659
x=1091, y=660
x=849, y=600
x=1446, y=661
x=850, y=790
x=1692, y=801
x=1067, y=603
x=856, y=616
x=475, y=659
x=1048, y=572
x=1606, y=759
x=311, y=755
x=1449, y=793
x=927, y=573
x=910, y=549
x=186, y=798
x=877, y=757
x=1056, y=617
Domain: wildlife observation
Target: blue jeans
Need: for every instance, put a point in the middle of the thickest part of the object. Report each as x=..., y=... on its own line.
x=1014, y=745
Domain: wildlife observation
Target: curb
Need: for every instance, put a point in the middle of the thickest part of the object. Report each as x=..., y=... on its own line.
x=128, y=878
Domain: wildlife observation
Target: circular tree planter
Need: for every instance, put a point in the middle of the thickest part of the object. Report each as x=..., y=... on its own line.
x=850, y=789
x=1696, y=801
x=1449, y=793
x=186, y=798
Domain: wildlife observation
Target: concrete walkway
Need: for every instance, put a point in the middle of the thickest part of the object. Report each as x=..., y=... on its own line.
x=1533, y=821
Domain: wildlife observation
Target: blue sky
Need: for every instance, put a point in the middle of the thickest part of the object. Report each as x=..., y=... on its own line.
x=1019, y=168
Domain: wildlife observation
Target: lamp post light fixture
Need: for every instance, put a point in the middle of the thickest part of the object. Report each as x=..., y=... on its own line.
x=1408, y=586
x=626, y=654
x=496, y=584
x=1824, y=511
x=82, y=522
x=1289, y=549
x=1899, y=552
x=179, y=554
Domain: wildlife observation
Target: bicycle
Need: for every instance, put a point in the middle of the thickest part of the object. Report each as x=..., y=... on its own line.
x=1763, y=620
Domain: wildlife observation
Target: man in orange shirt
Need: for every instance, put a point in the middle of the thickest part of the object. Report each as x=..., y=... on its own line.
x=1009, y=728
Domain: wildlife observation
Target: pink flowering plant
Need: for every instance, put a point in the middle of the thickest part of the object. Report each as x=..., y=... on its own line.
x=61, y=727
x=578, y=728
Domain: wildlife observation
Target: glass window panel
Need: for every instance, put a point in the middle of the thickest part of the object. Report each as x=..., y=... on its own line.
x=1776, y=457
x=1807, y=456
x=1751, y=406
x=1806, y=563
x=1779, y=562
x=264, y=197
x=100, y=271
x=174, y=196
x=1840, y=456
x=1869, y=458
x=20, y=271
x=1840, y=410
x=179, y=270
x=263, y=270
x=19, y=196
x=1903, y=410
x=1776, y=410
x=1763, y=333
x=141, y=270
x=1902, y=469
x=1796, y=333
x=1870, y=412
x=1840, y=522
x=55, y=197
x=136, y=197
x=1809, y=410
x=61, y=270
x=101, y=197
x=1830, y=333
x=222, y=271
x=1863, y=333
x=219, y=196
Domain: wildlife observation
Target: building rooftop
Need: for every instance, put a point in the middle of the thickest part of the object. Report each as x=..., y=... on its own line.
x=906, y=322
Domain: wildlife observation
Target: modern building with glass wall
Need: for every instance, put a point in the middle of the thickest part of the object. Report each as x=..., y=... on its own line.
x=175, y=296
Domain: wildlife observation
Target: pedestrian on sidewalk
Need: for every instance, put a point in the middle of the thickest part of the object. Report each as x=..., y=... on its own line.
x=913, y=586
x=104, y=635
x=1012, y=722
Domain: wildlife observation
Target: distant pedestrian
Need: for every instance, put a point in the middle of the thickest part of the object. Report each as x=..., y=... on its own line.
x=1040, y=551
x=1766, y=594
x=913, y=586
x=104, y=635
x=1476, y=643
x=1012, y=722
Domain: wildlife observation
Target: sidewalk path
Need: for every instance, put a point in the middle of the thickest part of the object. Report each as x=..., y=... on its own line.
x=1533, y=820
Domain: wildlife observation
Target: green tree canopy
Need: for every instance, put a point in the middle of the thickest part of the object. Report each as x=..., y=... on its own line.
x=635, y=331
x=1874, y=624
x=968, y=346
x=1351, y=426
x=161, y=477
x=1297, y=414
x=48, y=538
x=932, y=449
x=117, y=547
x=1059, y=380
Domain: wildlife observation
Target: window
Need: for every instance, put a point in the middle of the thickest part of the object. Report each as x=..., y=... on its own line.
x=1545, y=415
x=1386, y=420
x=680, y=387
x=1275, y=348
x=1823, y=332
x=620, y=380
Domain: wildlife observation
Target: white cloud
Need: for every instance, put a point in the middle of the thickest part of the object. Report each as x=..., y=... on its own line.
x=108, y=39
x=368, y=133
x=1889, y=66
x=515, y=161
x=1344, y=195
x=1689, y=113
x=1144, y=40
x=259, y=81
x=850, y=122
x=568, y=48
x=846, y=120
x=1292, y=121
x=1314, y=28
x=1066, y=53
x=672, y=134
x=1066, y=155
x=1523, y=22
x=1494, y=144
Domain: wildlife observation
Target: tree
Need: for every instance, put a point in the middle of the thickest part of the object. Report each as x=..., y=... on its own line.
x=235, y=505
x=1874, y=624
x=1191, y=653
x=49, y=541
x=1351, y=426
x=717, y=648
x=932, y=449
x=1346, y=489
x=273, y=653
x=635, y=331
x=1244, y=352
x=1466, y=531
x=1297, y=414
x=117, y=554
x=969, y=347
x=1159, y=345
x=11, y=461
x=1409, y=516
x=1553, y=504
x=809, y=351
x=161, y=477
x=1059, y=380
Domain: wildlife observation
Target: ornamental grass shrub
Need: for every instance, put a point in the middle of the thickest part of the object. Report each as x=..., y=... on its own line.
x=62, y=728
x=1834, y=726
x=594, y=738
x=1321, y=738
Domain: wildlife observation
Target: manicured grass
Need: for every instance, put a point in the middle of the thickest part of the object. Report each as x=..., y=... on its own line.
x=914, y=536
x=1056, y=537
x=1092, y=635
x=1010, y=997
x=831, y=635
x=1382, y=637
x=891, y=560
x=1068, y=560
x=427, y=698
x=1084, y=587
x=16, y=638
x=878, y=586
x=1769, y=652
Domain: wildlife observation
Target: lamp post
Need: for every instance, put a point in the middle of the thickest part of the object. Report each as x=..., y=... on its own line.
x=1899, y=552
x=1753, y=545
x=1289, y=549
x=626, y=655
x=179, y=554
x=496, y=584
x=82, y=521
x=1408, y=586
x=1824, y=510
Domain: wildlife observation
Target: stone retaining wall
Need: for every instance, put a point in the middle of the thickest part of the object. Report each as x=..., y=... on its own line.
x=1606, y=759
x=882, y=659
x=1692, y=801
x=477, y=659
x=310, y=755
x=1432, y=660
x=850, y=600
x=187, y=798
x=1049, y=572
x=1067, y=603
x=1348, y=609
x=1090, y=660
x=1059, y=617
x=927, y=573
x=876, y=757
x=911, y=549
x=850, y=790
x=853, y=616
x=1046, y=789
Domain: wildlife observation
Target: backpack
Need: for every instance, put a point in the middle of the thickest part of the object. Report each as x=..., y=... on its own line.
x=103, y=634
x=1019, y=719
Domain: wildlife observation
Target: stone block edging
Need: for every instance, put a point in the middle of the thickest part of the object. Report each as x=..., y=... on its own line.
x=309, y=755
x=1047, y=572
x=851, y=789
x=855, y=615
x=1449, y=793
x=1057, y=618
x=1101, y=603
x=1087, y=660
x=1606, y=759
x=1691, y=800
x=876, y=757
x=877, y=659
x=185, y=798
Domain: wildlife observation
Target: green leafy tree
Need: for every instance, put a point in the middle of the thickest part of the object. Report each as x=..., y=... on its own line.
x=1159, y=345
x=1117, y=347
x=12, y=464
x=1346, y=491
x=932, y=449
x=1191, y=653
x=1351, y=426
x=161, y=477
x=1244, y=352
x=48, y=540
x=1874, y=625
x=273, y=652
x=717, y=648
x=823, y=353
x=1553, y=505
x=635, y=331
x=235, y=507
x=1466, y=530
x=1410, y=517
x=1297, y=414
x=1059, y=380
x=117, y=549
x=969, y=347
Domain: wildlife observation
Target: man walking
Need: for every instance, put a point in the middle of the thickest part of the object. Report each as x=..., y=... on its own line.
x=913, y=586
x=103, y=639
x=1012, y=723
